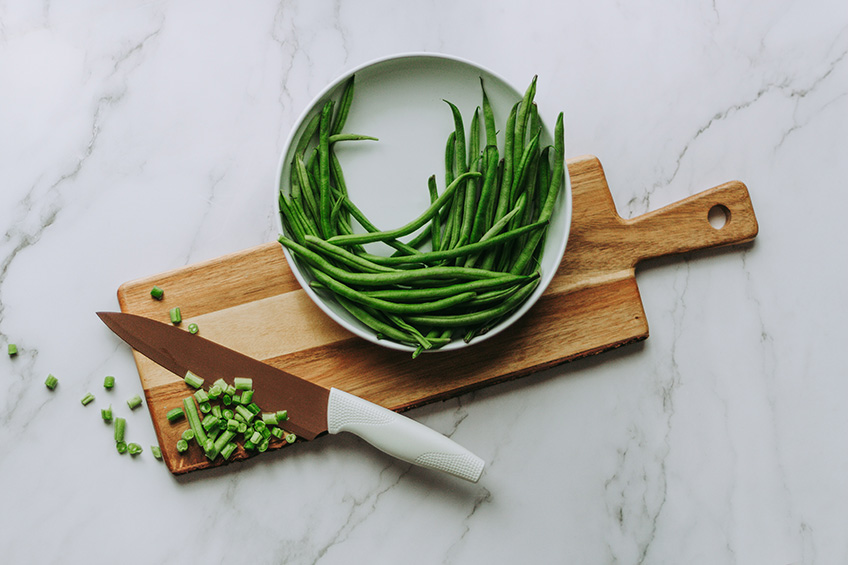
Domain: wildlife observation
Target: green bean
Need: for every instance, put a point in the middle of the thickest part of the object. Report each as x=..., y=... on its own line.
x=381, y=279
x=436, y=292
x=550, y=198
x=530, y=152
x=491, y=297
x=461, y=167
x=432, y=334
x=471, y=248
x=387, y=306
x=426, y=235
x=523, y=116
x=307, y=191
x=337, y=175
x=344, y=106
x=360, y=217
x=413, y=331
x=307, y=135
x=408, y=228
x=472, y=259
x=450, y=150
x=380, y=327
x=336, y=137
x=531, y=189
x=506, y=182
x=471, y=186
x=291, y=220
x=485, y=204
x=474, y=318
x=326, y=201
x=543, y=179
x=344, y=256
x=488, y=118
x=435, y=228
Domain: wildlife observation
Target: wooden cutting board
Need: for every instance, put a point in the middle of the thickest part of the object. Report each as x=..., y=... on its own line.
x=250, y=301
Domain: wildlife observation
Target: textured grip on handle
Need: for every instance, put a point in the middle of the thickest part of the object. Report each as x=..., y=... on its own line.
x=400, y=436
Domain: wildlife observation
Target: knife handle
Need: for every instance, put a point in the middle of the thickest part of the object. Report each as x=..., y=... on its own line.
x=400, y=436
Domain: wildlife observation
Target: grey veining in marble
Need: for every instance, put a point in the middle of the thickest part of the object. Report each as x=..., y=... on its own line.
x=138, y=137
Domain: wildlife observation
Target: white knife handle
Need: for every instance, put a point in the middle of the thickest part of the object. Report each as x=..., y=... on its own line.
x=400, y=436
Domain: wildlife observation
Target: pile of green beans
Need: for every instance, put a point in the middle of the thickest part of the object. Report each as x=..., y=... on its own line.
x=474, y=256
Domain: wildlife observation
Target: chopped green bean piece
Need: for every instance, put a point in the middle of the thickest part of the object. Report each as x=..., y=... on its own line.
x=51, y=382
x=106, y=413
x=247, y=397
x=205, y=407
x=232, y=425
x=175, y=414
x=256, y=410
x=201, y=396
x=156, y=451
x=121, y=446
x=193, y=380
x=249, y=445
x=182, y=445
x=291, y=438
x=134, y=448
x=228, y=414
x=13, y=350
x=259, y=425
x=277, y=432
x=256, y=437
x=263, y=446
x=243, y=383
x=213, y=433
x=237, y=399
x=215, y=392
x=134, y=402
x=228, y=450
x=188, y=434
x=210, y=422
x=194, y=420
x=157, y=293
x=176, y=315
x=192, y=328
x=120, y=429
x=88, y=398
x=269, y=418
x=282, y=415
x=244, y=413
x=242, y=427
x=216, y=410
x=226, y=400
x=109, y=382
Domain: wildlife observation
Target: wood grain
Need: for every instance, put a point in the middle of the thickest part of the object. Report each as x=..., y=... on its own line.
x=251, y=302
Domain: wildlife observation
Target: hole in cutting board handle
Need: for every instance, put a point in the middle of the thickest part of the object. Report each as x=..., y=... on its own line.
x=718, y=216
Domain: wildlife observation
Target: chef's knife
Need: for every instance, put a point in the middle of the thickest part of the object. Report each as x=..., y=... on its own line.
x=312, y=409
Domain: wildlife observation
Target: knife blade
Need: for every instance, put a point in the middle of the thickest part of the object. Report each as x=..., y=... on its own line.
x=313, y=410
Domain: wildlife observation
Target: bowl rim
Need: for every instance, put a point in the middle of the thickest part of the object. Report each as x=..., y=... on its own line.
x=545, y=279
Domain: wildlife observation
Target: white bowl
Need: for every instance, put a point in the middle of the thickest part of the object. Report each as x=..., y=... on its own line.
x=401, y=101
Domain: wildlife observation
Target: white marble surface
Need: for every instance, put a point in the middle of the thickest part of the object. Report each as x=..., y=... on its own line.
x=140, y=136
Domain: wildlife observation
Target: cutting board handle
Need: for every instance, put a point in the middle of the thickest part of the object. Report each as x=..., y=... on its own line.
x=685, y=225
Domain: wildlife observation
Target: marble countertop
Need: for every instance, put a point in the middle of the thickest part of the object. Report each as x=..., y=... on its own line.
x=142, y=136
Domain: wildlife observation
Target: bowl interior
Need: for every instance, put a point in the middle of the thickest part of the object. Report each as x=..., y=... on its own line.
x=401, y=101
